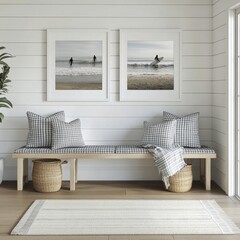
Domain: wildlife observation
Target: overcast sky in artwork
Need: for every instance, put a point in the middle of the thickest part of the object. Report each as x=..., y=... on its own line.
x=78, y=49
x=149, y=49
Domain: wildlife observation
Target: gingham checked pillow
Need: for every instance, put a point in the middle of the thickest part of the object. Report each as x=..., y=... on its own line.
x=40, y=129
x=66, y=134
x=161, y=134
x=187, y=132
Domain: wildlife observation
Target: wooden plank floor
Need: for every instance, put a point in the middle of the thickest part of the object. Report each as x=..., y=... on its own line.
x=13, y=204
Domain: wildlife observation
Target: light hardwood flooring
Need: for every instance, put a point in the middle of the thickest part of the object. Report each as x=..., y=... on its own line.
x=13, y=204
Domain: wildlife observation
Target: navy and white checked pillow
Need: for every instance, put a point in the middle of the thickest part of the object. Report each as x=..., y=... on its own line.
x=40, y=129
x=187, y=132
x=161, y=134
x=66, y=134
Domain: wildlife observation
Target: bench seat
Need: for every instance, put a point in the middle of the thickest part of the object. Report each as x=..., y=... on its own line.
x=96, y=149
x=205, y=154
x=132, y=149
x=107, y=149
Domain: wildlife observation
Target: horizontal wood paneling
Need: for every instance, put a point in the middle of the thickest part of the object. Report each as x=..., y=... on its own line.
x=197, y=36
x=115, y=23
x=29, y=36
x=219, y=60
x=219, y=99
x=101, y=122
x=219, y=46
x=23, y=27
x=32, y=99
x=219, y=137
x=115, y=11
x=93, y=134
x=197, y=62
x=222, y=150
x=220, y=33
x=108, y=2
x=40, y=36
x=26, y=49
x=220, y=126
x=219, y=112
x=108, y=111
x=219, y=86
x=198, y=49
x=219, y=73
x=197, y=74
x=220, y=19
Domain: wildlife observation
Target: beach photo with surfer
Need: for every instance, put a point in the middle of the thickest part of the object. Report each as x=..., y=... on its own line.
x=150, y=65
x=78, y=65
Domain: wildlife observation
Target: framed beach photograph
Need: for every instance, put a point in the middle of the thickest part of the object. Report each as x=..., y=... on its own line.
x=77, y=65
x=150, y=65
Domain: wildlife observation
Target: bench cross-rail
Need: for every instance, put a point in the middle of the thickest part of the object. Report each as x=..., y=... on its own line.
x=204, y=154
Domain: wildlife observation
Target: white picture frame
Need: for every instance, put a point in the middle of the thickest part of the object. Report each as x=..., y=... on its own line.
x=63, y=42
x=132, y=77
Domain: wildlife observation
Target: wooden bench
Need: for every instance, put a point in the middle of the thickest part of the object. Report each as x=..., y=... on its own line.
x=72, y=155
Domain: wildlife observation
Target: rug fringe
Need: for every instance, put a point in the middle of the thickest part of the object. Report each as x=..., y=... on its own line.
x=226, y=225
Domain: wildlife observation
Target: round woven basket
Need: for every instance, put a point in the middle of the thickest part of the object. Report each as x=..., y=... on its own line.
x=182, y=181
x=47, y=175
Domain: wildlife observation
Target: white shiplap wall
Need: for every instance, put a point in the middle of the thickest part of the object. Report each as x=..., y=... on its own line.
x=219, y=87
x=23, y=27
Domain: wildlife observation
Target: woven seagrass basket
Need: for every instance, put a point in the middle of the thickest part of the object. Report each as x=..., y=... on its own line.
x=182, y=181
x=47, y=175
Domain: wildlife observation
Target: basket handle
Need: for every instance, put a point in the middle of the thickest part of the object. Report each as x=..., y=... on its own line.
x=64, y=162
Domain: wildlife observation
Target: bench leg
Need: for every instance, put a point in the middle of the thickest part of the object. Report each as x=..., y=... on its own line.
x=76, y=170
x=20, y=174
x=25, y=171
x=208, y=174
x=72, y=174
x=202, y=170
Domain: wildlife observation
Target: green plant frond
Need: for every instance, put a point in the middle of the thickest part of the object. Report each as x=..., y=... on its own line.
x=5, y=54
x=4, y=68
x=3, y=63
x=4, y=106
x=1, y=117
x=4, y=100
x=5, y=57
x=7, y=81
x=5, y=89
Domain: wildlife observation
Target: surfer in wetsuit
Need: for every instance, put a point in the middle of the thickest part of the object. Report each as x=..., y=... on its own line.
x=71, y=61
x=94, y=58
x=156, y=58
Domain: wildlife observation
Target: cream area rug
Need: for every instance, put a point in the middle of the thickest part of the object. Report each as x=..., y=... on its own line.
x=108, y=217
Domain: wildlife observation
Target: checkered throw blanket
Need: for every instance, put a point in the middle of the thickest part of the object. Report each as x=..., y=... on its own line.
x=169, y=161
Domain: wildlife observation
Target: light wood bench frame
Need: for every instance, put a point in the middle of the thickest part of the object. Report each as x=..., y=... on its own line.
x=22, y=163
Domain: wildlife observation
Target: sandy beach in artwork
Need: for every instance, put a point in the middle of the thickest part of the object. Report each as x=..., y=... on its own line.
x=150, y=82
x=78, y=86
x=78, y=82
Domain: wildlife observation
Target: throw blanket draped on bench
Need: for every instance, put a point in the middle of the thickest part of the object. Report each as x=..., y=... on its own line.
x=168, y=161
